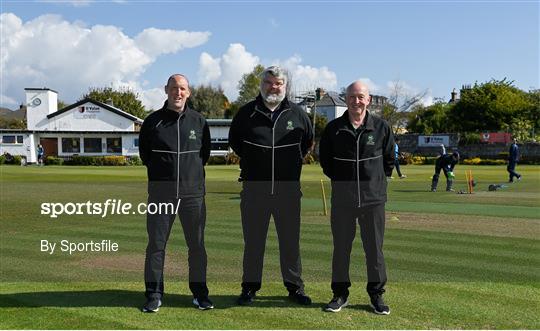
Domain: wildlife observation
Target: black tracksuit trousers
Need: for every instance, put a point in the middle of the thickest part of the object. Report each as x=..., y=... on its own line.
x=192, y=214
x=343, y=222
x=256, y=208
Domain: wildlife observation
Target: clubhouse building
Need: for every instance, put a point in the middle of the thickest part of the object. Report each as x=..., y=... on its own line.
x=87, y=127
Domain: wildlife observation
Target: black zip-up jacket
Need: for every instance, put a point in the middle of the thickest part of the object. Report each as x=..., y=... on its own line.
x=175, y=147
x=271, y=151
x=357, y=164
x=446, y=162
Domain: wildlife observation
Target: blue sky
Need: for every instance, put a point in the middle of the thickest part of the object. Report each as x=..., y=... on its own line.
x=436, y=46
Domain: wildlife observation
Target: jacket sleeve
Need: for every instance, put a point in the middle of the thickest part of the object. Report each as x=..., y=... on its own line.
x=206, y=143
x=452, y=164
x=307, y=139
x=145, y=141
x=325, y=152
x=389, y=154
x=235, y=134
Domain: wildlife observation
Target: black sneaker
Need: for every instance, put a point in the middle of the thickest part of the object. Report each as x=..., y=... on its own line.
x=378, y=305
x=336, y=304
x=300, y=298
x=152, y=305
x=203, y=303
x=246, y=298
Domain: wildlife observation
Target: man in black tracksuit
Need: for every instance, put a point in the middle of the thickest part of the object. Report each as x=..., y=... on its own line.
x=357, y=154
x=174, y=144
x=446, y=163
x=271, y=135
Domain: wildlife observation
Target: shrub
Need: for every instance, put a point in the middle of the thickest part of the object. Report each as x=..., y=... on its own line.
x=405, y=158
x=17, y=159
x=116, y=160
x=2, y=159
x=113, y=160
x=470, y=138
x=217, y=160
x=504, y=155
x=309, y=159
x=479, y=161
x=232, y=158
x=134, y=160
x=51, y=160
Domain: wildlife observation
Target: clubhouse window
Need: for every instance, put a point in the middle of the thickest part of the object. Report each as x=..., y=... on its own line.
x=92, y=145
x=114, y=145
x=71, y=145
x=12, y=139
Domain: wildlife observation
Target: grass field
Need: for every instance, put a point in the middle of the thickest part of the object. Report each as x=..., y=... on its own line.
x=454, y=261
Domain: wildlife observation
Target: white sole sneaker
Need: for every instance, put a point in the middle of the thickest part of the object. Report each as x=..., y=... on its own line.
x=380, y=312
x=196, y=303
x=146, y=310
x=338, y=309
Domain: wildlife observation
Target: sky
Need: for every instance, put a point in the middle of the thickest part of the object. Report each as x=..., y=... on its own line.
x=432, y=46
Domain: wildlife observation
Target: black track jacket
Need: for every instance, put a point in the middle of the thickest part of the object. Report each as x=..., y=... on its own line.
x=175, y=147
x=271, y=152
x=357, y=164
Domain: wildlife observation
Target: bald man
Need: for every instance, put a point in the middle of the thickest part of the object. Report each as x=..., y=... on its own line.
x=357, y=154
x=174, y=144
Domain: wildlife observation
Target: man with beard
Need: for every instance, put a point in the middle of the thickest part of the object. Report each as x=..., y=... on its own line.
x=271, y=135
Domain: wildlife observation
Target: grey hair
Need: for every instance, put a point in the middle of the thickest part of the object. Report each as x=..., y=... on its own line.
x=348, y=90
x=279, y=73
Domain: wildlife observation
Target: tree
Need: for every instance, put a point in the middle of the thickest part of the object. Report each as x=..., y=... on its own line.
x=123, y=98
x=12, y=123
x=399, y=103
x=319, y=125
x=208, y=100
x=249, y=85
x=430, y=119
x=61, y=104
x=491, y=106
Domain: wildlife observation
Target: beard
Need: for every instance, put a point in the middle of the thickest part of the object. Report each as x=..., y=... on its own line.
x=273, y=99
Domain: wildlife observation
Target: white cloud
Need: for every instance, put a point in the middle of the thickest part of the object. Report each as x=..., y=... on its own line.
x=209, y=69
x=153, y=98
x=227, y=69
x=405, y=90
x=373, y=87
x=305, y=77
x=70, y=57
x=154, y=41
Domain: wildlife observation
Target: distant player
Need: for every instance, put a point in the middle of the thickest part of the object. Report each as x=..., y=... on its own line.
x=40, y=154
x=446, y=163
x=513, y=158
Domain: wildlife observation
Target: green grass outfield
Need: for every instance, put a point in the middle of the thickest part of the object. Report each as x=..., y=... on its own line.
x=454, y=261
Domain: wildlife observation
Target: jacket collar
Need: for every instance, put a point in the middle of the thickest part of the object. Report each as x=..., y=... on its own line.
x=173, y=113
x=346, y=124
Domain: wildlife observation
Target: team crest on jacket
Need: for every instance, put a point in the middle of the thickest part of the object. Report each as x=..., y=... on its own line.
x=370, y=140
x=192, y=135
x=290, y=125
